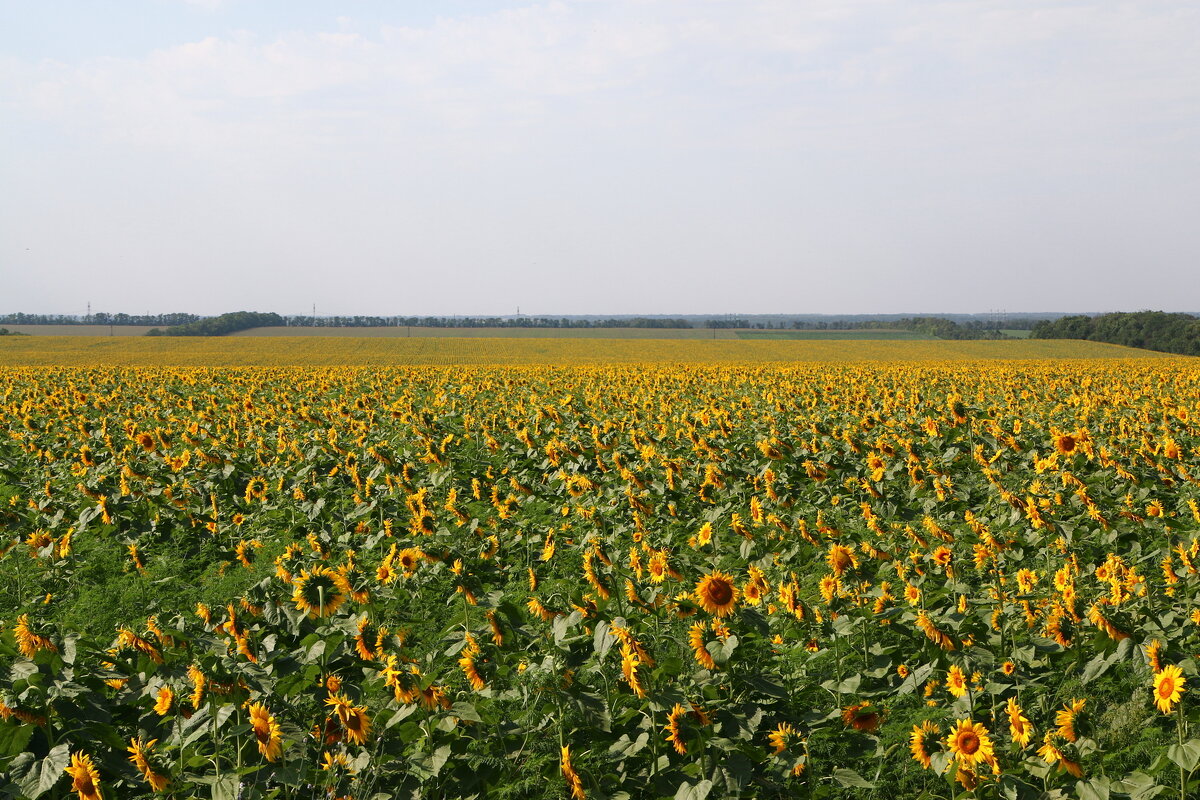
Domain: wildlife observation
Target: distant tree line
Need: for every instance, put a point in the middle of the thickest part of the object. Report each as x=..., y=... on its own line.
x=942, y=328
x=7, y=332
x=219, y=326
x=937, y=327
x=99, y=318
x=481, y=322
x=1151, y=330
x=969, y=329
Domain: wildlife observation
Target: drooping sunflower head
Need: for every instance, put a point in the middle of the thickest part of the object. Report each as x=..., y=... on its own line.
x=840, y=558
x=320, y=592
x=141, y=755
x=924, y=740
x=85, y=780
x=864, y=716
x=674, y=729
x=357, y=724
x=266, y=731
x=1018, y=724
x=717, y=594
x=1070, y=718
x=781, y=736
x=1153, y=650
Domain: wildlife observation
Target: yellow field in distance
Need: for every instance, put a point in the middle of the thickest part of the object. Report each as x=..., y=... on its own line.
x=332, y=351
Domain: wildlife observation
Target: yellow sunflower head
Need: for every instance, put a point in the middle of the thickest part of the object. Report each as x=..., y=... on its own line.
x=1168, y=688
x=970, y=744
x=717, y=594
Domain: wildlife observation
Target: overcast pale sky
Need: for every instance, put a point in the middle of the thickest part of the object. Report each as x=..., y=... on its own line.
x=596, y=156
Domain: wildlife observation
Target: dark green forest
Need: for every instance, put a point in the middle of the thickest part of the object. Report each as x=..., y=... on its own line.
x=218, y=326
x=1151, y=330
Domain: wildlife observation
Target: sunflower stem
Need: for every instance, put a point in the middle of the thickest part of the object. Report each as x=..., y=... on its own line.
x=1179, y=737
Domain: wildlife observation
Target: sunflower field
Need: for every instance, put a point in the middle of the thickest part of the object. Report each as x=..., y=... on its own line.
x=890, y=579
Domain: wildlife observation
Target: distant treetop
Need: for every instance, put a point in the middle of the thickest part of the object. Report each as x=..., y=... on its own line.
x=1151, y=330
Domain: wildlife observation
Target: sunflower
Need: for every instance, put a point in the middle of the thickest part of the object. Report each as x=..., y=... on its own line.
x=1065, y=443
x=1052, y=753
x=571, y=776
x=467, y=662
x=629, y=668
x=266, y=731
x=1153, y=655
x=1018, y=725
x=922, y=740
x=28, y=641
x=862, y=717
x=1060, y=629
x=1168, y=687
x=333, y=762
x=829, y=587
x=779, y=737
x=199, y=683
x=433, y=697
x=139, y=755
x=700, y=646
x=658, y=567
x=1008, y=668
x=717, y=594
x=409, y=558
x=840, y=558
x=752, y=593
x=674, y=729
x=970, y=744
x=1068, y=718
x=536, y=608
x=163, y=701
x=85, y=780
x=320, y=592
x=956, y=681
x=353, y=718
x=363, y=641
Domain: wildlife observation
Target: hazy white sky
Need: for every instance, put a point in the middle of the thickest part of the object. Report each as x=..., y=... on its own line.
x=597, y=156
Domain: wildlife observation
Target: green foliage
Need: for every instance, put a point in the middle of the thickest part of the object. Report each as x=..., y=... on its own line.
x=1151, y=330
x=222, y=325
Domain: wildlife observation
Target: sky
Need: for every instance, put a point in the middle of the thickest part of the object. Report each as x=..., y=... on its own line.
x=599, y=156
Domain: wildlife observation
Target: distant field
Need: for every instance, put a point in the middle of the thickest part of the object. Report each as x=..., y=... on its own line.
x=835, y=335
x=79, y=330
x=318, y=351
x=404, y=332
x=1016, y=334
x=510, y=333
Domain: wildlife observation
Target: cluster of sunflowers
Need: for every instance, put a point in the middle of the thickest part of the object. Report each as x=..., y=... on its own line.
x=601, y=581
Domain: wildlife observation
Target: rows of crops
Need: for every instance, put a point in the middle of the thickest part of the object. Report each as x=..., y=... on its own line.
x=221, y=351
x=601, y=581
